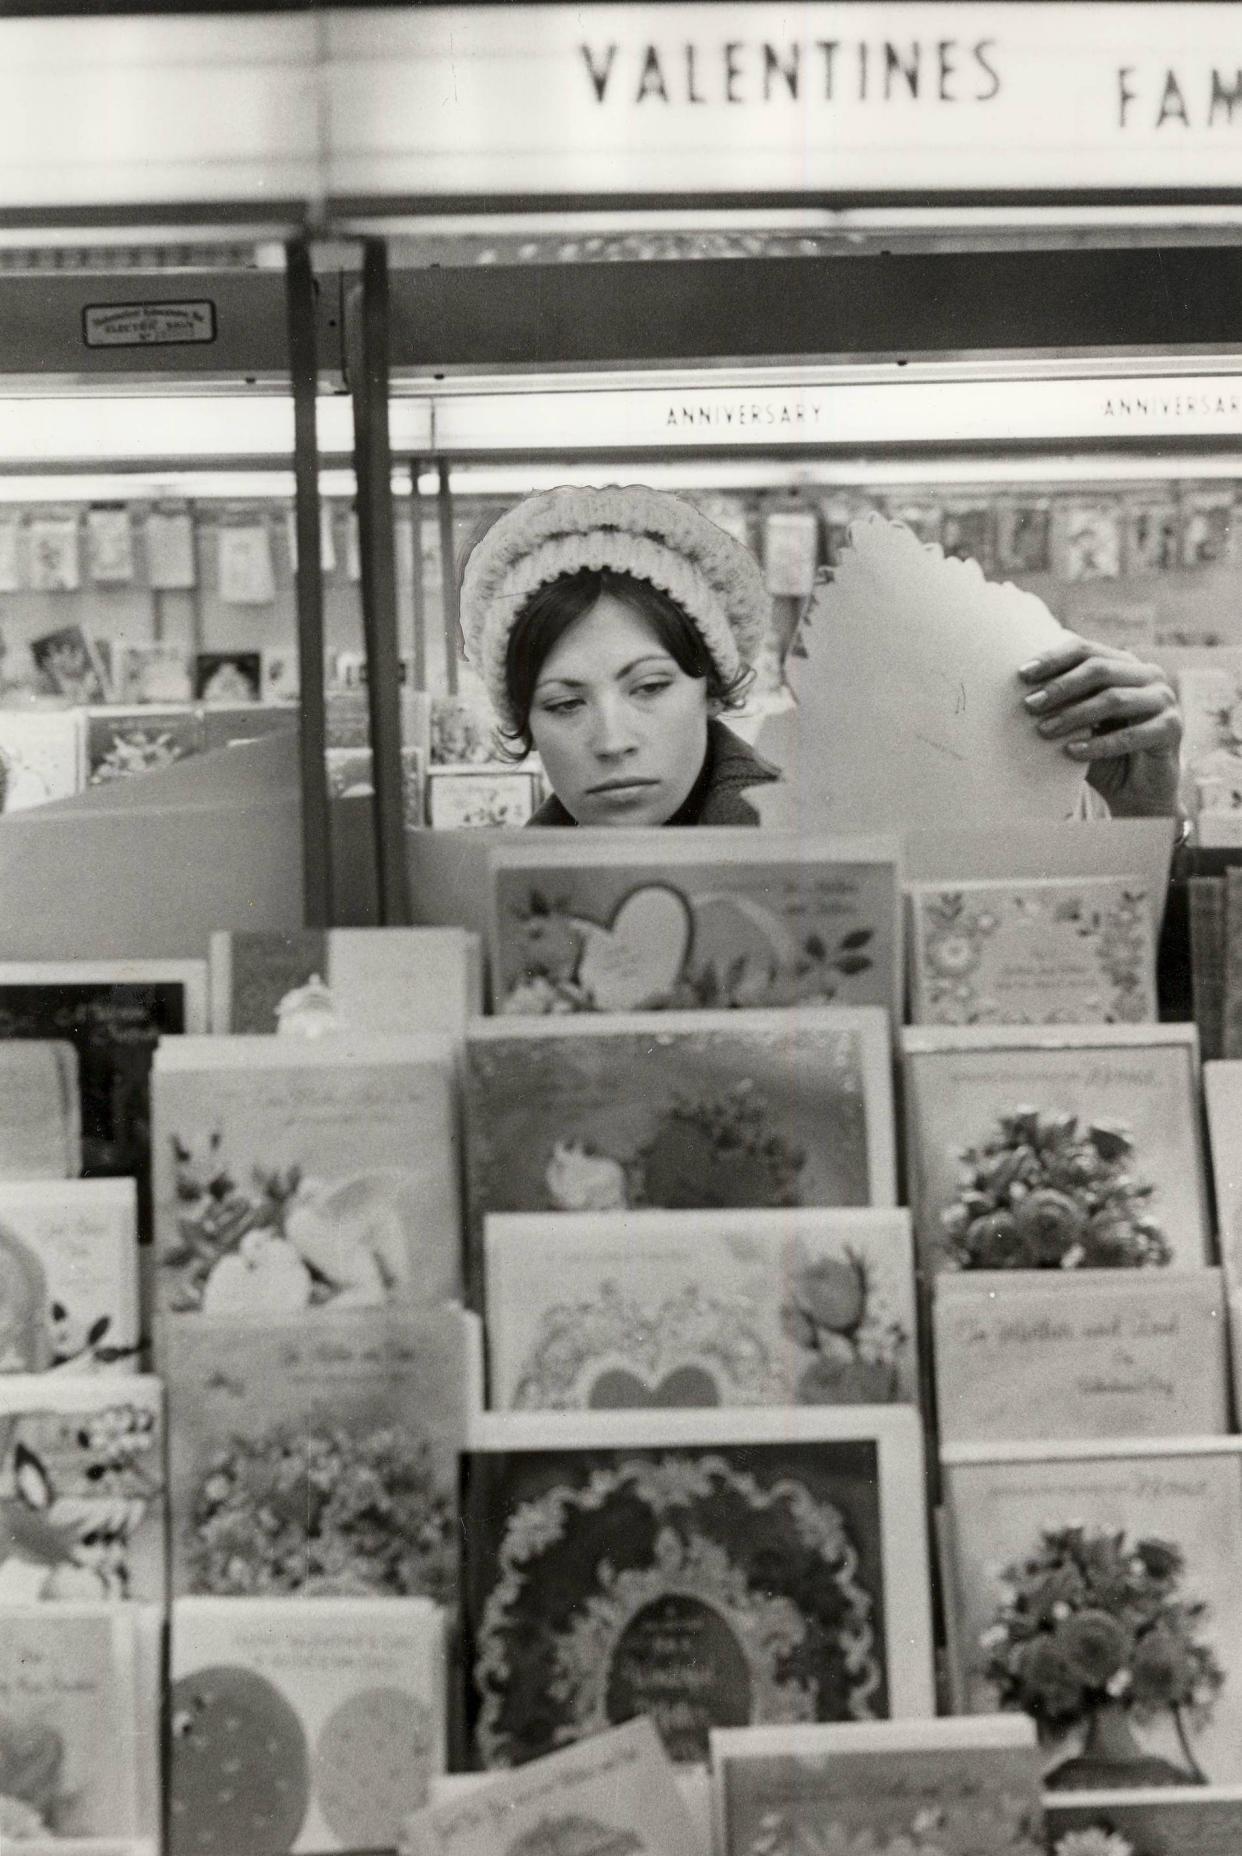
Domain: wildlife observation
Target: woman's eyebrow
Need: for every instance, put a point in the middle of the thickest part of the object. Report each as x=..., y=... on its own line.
x=578, y=683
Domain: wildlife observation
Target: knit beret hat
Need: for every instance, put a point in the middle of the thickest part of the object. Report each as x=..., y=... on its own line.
x=631, y=529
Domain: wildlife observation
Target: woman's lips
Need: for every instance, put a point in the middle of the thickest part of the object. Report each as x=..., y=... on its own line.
x=618, y=789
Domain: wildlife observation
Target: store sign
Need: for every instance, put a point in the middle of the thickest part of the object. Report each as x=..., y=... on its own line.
x=148, y=325
x=773, y=98
x=768, y=417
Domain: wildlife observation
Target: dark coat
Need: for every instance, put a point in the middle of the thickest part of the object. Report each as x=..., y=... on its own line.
x=717, y=798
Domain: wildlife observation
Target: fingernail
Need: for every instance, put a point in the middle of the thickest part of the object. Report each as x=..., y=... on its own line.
x=1036, y=699
x=1028, y=670
x=1076, y=747
x=1051, y=726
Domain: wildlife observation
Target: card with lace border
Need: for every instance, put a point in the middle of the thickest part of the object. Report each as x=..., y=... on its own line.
x=639, y=921
x=1045, y=952
x=1027, y=1354
x=668, y=1308
x=68, y=1276
x=1204, y=1820
x=613, y=1794
x=678, y=1110
x=707, y=1568
x=69, y=1725
x=957, y=1787
x=298, y=1174
x=1055, y=1147
x=306, y=1728
x=319, y=1457
x=82, y=1487
x=1094, y=1587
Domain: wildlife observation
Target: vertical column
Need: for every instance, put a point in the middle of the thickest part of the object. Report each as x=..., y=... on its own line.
x=418, y=586
x=304, y=373
x=367, y=352
x=448, y=577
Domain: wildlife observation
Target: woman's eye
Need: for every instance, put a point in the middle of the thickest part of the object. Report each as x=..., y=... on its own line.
x=565, y=707
x=653, y=687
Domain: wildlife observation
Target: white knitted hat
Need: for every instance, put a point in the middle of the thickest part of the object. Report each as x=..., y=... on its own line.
x=631, y=529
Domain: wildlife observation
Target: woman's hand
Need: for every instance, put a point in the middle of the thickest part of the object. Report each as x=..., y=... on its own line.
x=1116, y=715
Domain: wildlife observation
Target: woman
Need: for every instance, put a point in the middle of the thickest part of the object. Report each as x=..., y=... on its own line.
x=613, y=627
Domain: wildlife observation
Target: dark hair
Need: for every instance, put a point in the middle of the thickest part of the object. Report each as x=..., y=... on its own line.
x=552, y=609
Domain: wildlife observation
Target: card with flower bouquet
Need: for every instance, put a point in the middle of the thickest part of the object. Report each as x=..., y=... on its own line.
x=1055, y=1147
x=1054, y=951
x=1222, y=1089
x=300, y=1728
x=706, y=1568
x=298, y=1174
x=634, y=921
x=959, y=1787
x=1028, y=1354
x=70, y=1714
x=1094, y=1587
x=319, y=1457
x=791, y=1307
x=1200, y=1821
x=68, y=1276
x=678, y=1110
x=82, y=1487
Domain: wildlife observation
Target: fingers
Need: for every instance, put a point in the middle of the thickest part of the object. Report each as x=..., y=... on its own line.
x=1094, y=673
x=1110, y=709
x=1064, y=657
x=1158, y=734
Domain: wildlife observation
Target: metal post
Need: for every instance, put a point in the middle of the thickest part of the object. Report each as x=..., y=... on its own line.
x=367, y=348
x=312, y=734
x=418, y=586
x=448, y=579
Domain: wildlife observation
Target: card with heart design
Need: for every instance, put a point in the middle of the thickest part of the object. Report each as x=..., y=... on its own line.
x=640, y=921
x=705, y=1568
x=677, y=1110
x=697, y=1308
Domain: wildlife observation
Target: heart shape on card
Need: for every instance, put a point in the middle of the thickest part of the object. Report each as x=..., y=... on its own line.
x=638, y=959
x=620, y=1389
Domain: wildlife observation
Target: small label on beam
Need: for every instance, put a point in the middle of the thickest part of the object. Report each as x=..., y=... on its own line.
x=148, y=325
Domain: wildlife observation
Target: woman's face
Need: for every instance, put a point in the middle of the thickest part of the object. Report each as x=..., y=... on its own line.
x=620, y=728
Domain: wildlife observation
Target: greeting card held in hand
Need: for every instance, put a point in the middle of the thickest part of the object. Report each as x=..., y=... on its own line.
x=1095, y=1589
x=632, y=921
x=311, y=1728
x=68, y=1276
x=1035, y=953
x=296, y=1174
x=1067, y=1147
x=319, y=1458
x=964, y=1787
x=792, y=1307
x=1025, y=1354
x=611, y=1795
x=69, y=1717
x=908, y=703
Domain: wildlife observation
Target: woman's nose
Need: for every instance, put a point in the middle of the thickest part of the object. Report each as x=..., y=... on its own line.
x=612, y=729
